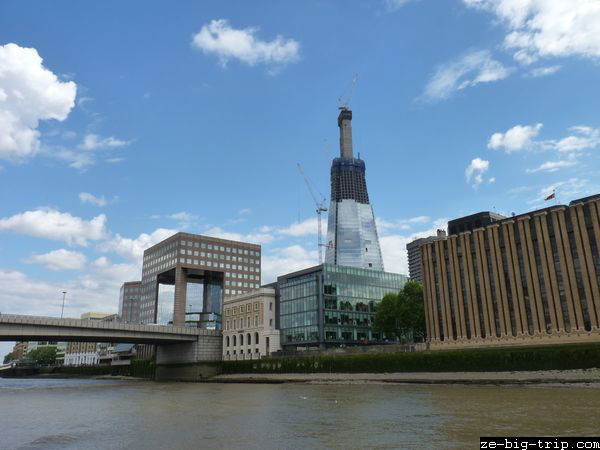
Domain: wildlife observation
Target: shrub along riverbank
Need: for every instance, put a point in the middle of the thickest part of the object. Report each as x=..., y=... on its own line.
x=138, y=368
x=560, y=357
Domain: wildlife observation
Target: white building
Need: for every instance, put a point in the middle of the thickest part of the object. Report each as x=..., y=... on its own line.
x=250, y=325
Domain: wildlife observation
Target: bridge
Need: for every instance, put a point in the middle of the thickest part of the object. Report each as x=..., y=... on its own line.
x=181, y=352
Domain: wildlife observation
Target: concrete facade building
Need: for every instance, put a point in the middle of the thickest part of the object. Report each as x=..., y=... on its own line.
x=352, y=238
x=413, y=250
x=186, y=277
x=129, y=301
x=250, y=325
x=19, y=350
x=525, y=280
x=89, y=353
x=330, y=305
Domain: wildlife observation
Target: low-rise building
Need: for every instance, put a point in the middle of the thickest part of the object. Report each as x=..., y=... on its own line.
x=90, y=353
x=523, y=280
x=250, y=325
x=20, y=350
x=331, y=305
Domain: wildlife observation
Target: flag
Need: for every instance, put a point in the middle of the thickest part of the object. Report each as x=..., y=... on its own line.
x=550, y=197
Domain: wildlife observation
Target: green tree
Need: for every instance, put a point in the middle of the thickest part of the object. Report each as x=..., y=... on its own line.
x=386, y=316
x=43, y=355
x=8, y=358
x=402, y=315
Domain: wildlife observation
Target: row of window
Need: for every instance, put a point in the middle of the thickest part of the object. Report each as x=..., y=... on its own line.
x=220, y=248
x=196, y=253
x=239, y=323
x=240, y=309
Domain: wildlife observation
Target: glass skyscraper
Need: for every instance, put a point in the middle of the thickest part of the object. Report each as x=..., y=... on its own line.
x=330, y=305
x=352, y=238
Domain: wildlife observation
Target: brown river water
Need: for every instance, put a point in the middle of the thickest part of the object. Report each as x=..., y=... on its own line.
x=107, y=414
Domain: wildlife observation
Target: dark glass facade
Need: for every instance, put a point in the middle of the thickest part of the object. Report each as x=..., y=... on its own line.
x=332, y=305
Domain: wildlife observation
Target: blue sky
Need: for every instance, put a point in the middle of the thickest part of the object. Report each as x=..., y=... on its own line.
x=123, y=122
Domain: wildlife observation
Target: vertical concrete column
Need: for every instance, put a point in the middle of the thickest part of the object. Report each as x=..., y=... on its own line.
x=514, y=272
x=595, y=213
x=586, y=261
x=568, y=271
x=441, y=263
x=472, y=305
x=426, y=295
x=499, y=281
x=531, y=276
x=180, y=296
x=484, y=284
x=459, y=309
x=552, y=293
x=432, y=293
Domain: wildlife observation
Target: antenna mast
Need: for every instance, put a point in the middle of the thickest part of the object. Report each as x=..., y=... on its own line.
x=320, y=208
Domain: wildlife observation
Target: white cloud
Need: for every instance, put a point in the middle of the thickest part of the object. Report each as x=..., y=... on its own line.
x=59, y=260
x=492, y=180
x=28, y=93
x=470, y=70
x=475, y=171
x=584, y=138
x=306, y=227
x=255, y=238
x=517, y=138
x=565, y=190
x=95, y=142
x=543, y=71
x=552, y=166
x=133, y=249
x=393, y=247
x=49, y=223
x=384, y=226
x=547, y=28
x=183, y=216
x=220, y=39
x=86, y=197
x=281, y=261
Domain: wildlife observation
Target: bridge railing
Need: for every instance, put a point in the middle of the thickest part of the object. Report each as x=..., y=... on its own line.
x=83, y=323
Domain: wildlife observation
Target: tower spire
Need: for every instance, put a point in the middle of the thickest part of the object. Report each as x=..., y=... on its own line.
x=345, y=124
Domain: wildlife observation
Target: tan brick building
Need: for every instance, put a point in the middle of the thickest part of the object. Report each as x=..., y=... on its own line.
x=524, y=280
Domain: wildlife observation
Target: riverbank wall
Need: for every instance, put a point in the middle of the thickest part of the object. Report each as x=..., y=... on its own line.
x=507, y=359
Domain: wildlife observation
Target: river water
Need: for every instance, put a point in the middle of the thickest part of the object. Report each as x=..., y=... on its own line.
x=107, y=414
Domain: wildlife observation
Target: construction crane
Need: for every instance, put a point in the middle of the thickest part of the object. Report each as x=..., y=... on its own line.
x=320, y=208
x=344, y=99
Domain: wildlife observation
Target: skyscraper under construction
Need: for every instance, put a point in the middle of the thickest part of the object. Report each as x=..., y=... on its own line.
x=352, y=238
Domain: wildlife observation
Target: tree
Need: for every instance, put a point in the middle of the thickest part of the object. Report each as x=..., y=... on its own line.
x=43, y=355
x=8, y=358
x=402, y=315
x=386, y=316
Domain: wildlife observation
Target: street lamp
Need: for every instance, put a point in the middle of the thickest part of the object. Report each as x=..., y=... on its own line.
x=63, y=305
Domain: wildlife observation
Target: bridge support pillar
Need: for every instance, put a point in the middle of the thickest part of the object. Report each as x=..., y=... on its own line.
x=189, y=361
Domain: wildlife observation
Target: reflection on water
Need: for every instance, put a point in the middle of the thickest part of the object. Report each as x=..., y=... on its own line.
x=89, y=414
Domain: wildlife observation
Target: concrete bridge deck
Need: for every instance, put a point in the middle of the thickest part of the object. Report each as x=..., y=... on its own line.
x=35, y=328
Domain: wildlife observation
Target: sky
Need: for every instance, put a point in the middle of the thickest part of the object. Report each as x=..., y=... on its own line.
x=122, y=123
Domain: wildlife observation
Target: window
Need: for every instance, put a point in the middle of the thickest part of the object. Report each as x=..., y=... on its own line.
x=270, y=306
x=227, y=339
x=256, y=339
x=270, y=322
x=255, y=321
x=241, y=339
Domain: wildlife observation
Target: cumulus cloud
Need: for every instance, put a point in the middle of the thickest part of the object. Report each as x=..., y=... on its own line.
x=547, y=28
x=517, y=138
x=29, y=93
x=304, y=228
x=86, y=197
x=59, y=260
x=133, y=249
x=49, y=223
x=258, y=237
x=280, y=261
x=583, y=138
x=469, y=70
x=220, y=39
x=475, y=171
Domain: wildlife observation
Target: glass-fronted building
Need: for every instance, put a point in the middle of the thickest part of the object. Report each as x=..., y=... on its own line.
x=330, y=305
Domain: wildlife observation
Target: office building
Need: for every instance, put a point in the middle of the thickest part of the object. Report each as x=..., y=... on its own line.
x=90, y=353
x=250, y=325
x=331, y=305
x=472, y=222
x=129, y=301
x=352, y=238
x=413, y=250
x=525, y=280
x=186, y=277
